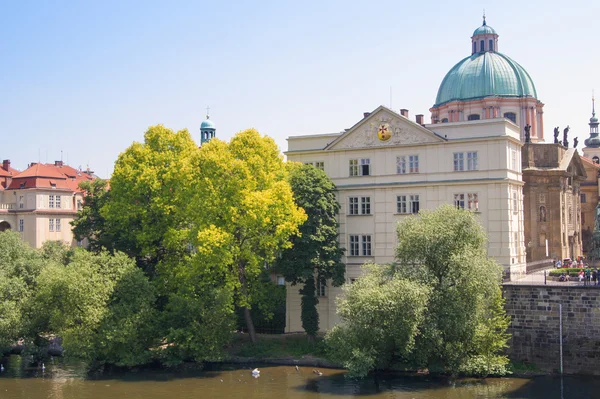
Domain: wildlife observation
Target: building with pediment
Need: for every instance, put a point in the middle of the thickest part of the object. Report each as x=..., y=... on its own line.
x=387, y=166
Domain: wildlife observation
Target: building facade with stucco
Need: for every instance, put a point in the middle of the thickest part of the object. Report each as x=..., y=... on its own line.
x=41, y=202
x=387, y=167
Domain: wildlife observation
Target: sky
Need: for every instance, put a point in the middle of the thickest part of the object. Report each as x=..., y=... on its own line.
x=86, y=79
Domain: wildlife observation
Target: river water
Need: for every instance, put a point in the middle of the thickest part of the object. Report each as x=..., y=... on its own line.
x=71, y=382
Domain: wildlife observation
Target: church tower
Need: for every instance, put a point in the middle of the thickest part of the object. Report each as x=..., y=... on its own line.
x=592, y=144
x=207, y=129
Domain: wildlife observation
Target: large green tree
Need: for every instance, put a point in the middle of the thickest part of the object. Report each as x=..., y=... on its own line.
x=241, y=213
x=463, y=329
x=446, y=250
x=315, y=251
x=89, y=223
x=147, y=203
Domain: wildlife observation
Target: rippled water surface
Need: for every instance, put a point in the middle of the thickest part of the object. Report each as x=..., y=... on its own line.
x=70, y=382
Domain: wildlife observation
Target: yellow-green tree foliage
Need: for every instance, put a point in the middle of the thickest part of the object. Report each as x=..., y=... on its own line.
x=241, y=212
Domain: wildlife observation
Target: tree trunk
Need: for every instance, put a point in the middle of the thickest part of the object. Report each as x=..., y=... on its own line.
x=250, y=325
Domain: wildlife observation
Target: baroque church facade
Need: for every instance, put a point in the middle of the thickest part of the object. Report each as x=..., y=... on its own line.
x=387, y=166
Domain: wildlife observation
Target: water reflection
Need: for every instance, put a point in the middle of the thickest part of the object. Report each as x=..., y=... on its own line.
x=69, y=381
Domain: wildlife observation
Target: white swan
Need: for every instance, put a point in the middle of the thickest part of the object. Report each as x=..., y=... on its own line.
x=1, y=367
x=255, y=372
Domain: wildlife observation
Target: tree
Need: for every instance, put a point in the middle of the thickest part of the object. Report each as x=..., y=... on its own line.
x=446, y=250
x=441, y=261
x=241, y=214
x=380, y=317
x=315, y=251
x=19, y=271
x=145, y=209
x=102, y=306
x=89, y=223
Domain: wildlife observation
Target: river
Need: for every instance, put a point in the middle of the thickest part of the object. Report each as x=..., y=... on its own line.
x=70, y=382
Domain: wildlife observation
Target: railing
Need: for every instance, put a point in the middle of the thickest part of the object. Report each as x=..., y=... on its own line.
x=7, y=206
x=542, y=277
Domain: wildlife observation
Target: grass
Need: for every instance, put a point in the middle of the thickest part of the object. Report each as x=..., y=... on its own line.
x=276, y=346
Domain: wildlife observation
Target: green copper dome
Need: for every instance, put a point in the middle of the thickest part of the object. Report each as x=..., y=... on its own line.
x=486, y=74
x=484, y=30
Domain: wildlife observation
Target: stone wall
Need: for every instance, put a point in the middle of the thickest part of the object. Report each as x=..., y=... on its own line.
x=534, y=311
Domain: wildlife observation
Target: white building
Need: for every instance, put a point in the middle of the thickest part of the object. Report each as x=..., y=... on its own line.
x=387, y=167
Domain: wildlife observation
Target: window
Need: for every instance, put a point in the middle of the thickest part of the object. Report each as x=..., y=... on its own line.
x=21, y=225
x=474, y=46
x=516, y=237
x=407, y=203
x=542, y=213
x=365, y=205
x=280, y=280
x=362, y=169
x=51, y=225
x=473, y=202
x=365, y=167
x=58, y=201
x=51, y=201
x=515, y=202
x=322, y=287
x=481, y=45
x=354, y=245
x=445, y=120
x=57, y=224
x=21, y=202
x=474, y=117
x=472, y=162
x=595, y=159
x=459, y=161
x=352, y=205
x=570, y=215
x=366, y=245
x=320, y=165
x=401, y=165
x=513, y=160
x=79, y=205
x=583, y=198
x=413, y=164
x=459, y=201
x=354, y=167
x=491, y=45
x=511, y=116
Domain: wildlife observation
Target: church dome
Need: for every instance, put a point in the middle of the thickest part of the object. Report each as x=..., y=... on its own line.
x=484, y=30
x=207, y=124
x=487, y=74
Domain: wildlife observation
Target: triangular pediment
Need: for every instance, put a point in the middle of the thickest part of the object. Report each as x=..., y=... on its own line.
x=384, y=128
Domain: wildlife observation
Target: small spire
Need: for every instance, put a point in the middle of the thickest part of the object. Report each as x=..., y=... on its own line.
x=207, y=112
x=593, y=104
x=484, y=17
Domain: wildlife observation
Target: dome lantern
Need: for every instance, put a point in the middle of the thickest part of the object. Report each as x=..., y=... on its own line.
x=593, y=141
x=207, y=129
x=484, y=39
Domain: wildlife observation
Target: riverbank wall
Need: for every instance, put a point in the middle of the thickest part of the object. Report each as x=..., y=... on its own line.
x=535, y=327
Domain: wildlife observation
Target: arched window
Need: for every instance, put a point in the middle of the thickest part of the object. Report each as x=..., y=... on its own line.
x=474, y=117
x=596, y=159
x=445, y=120
x=474, y=46
x=511, y=116
x=481, y=46
x=491, y=45
x=542, y=213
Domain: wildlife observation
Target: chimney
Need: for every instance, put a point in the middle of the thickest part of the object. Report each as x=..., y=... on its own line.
x=404, y=112
x=6, y=164
x=58, y=163
x=365, y=114
x=419, y=119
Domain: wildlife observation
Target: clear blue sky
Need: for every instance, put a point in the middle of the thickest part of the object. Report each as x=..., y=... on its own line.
x=88, y=78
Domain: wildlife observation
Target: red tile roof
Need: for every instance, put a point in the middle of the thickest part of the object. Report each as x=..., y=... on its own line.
x=51, y=176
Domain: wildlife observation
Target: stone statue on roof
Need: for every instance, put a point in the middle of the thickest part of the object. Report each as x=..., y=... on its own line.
x=556, y=133
x=527, y=133
x=575, y=142
x=565, y=134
